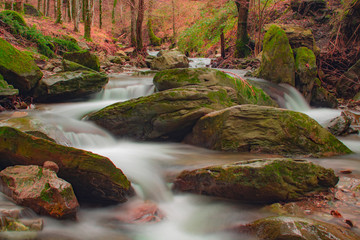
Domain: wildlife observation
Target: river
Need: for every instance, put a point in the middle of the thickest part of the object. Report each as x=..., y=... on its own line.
x=149, y=165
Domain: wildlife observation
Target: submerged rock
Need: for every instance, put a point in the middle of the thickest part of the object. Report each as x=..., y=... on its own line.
x=261, y=129
x=206, y=77
x=69, y=85
x=168, y=60
x=94, y=178
x=294, y=228
x=18, y=68
x=85, y=58
x=41, y=190
x=261, y=181
x=277, y=61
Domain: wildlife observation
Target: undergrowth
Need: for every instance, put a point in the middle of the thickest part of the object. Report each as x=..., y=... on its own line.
x=206, y=32
x=46, y=45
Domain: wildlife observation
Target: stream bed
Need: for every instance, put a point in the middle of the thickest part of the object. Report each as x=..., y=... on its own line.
x=150, y=166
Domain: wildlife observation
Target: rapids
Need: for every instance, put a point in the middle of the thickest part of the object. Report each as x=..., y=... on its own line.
x=149, y=165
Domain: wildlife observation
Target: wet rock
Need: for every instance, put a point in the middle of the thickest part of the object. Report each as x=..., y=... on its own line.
x=261, y=181
x=261, y=129
x=277, y=61
x=299, y=228
x=52, y=166
x=69, y=85
x=18, y=68
x=322, y=97
x=306, y=71
x=168, y=60
x=166, y=115
x=17, y=225
x=41, y=190
x=94, y=178
x=69, y=66
x=116, y=59
x=84, y=58
x=340, y=125
x=6, y=90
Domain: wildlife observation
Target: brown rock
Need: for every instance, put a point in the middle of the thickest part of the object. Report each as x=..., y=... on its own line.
x=52, y=166
x=39, y=189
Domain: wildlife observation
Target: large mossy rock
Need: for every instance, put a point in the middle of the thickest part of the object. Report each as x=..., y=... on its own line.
x=306, y=71
x=277, y=61
x=31, y=10
x=322, y=97
x=6, y=90
x=69, y=85
x=348, y=85
x=18, y=68
x=261, y=129
x=295, y=228
x=39, y=189
x=206, y=77
x=166, y=115
x=85, y=58
x=168, y=60
x=94, y=178
x=261, y=181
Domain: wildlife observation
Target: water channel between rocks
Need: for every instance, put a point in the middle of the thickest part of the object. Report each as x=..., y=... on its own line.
x=148, y=165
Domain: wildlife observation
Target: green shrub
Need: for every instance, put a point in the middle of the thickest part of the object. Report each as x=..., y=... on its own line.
x=206, y=31
x=46, y=45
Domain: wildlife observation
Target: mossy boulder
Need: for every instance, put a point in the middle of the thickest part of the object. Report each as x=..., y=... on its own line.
x=348, y=85
x=14, y=16
x=295, y=228
x=31, y=10
x=41, y=190
x=85, y=58
x=18, y=68
x=262, y=129
x=168, y=60
x=94, y=178
x=277, y=61
x=298, y=37
x=69, y=66
x=205, y=77
x=260, y=180
x=306, y=71
x=166, y=115
x=322, y=97
x=6, y=90
x=69, y=85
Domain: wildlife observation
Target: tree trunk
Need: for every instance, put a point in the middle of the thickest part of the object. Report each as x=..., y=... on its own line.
x=154, y=40
x=39, y=5
x=173, y=3
x=59, y=12
x=139, y=22
x=133, y=23
x=76, y=14
x=222, y=44
x=88, y=17
x=100, y=14
x=47, y=10
x=242, y=38
x=113, y=20
x=69, y=6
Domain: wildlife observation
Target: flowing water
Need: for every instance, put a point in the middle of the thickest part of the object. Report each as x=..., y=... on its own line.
x=149, y=165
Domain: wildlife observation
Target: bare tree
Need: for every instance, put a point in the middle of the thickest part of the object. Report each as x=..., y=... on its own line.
x=139, y=23
x=133, y=23
x=76, y=14
x=242, y=37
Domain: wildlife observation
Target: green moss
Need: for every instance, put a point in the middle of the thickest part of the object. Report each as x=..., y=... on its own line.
x=40, y=173
x=13, y=16
x=154, y=40
x=46, y=194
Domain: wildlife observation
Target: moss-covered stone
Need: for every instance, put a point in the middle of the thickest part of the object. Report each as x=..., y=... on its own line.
x=18, y=68
x=306, y=71
x=168, y=60
x=69, y=85
x=252, y=128
x=69, y=66
x=277, y=61
x=166, y=115
x=295, y=228
x=6, y=90
x=322, y=97
x=31, y=10
x=261, y=181
x=205, y=77
x=84, y=58
x=93, y=177
x=15, y=16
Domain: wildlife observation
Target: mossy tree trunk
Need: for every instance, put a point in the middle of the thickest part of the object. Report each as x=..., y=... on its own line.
x=133, y=23
x=100, y=14
x=88, y=19
x=39, y=5
x=242, y=38
x=139, y=23
x=69, y=8
x=76, y=14
x=154, y=40
x=113, y=20
x=59, y=17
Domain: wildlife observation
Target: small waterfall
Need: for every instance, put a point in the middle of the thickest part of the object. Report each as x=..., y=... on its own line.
x=199, y=62
x=125, y=93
